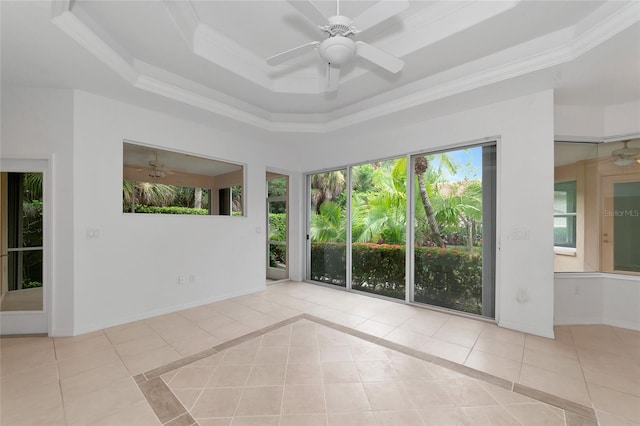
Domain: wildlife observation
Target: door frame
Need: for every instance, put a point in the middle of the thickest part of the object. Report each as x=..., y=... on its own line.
x=32, y=322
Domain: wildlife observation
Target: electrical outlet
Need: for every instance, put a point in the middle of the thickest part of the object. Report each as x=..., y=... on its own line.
x=192, y=278
x=181, y=280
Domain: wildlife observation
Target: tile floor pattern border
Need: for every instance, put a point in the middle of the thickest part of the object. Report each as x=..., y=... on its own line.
x=171, y=412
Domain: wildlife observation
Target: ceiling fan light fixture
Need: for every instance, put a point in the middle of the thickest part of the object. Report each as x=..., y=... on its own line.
x=626, y=156
x=155, y=173
x=625, y=161
x=337, y=50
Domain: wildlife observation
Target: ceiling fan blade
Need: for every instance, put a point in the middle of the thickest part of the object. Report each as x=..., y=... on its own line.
x=310, y=11
x=379, y=57
x=333, y=77
x=379, y=12
x=292, y=53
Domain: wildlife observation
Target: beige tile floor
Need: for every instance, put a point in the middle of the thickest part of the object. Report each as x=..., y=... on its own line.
x=89, y=379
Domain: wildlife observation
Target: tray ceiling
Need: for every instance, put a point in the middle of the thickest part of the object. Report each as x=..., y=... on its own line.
x=210, y=54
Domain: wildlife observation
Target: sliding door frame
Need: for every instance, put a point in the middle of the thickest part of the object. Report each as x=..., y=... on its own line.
x=493, y=249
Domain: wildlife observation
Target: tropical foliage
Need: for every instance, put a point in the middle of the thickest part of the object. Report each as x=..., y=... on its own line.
x=151, y=197
x=447, y=230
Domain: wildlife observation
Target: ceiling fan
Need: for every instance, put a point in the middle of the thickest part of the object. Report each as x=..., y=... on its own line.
x=339, y=47
x=626, y=156
x=157, y=169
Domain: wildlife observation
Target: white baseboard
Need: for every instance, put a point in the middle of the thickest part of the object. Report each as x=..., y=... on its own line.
x=162, y=311
x=527, y=329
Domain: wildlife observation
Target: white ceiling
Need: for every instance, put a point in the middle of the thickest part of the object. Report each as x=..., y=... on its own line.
x=210, y=55
x=136, y=155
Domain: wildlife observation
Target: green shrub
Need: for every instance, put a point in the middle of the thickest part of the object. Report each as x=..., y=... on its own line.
x=278, y=226
x=170, y=210
x=328, y=263
x=379, y=268
x=449, y=278
x=445, y=277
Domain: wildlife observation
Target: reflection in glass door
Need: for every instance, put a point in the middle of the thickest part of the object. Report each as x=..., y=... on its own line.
x=453, y=229
x=621, y=224
x=327, y=233
x=22, y=242
x=277, y=228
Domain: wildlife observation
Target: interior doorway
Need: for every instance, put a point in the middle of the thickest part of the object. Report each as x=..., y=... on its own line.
x=277, y=188
x=23, y=247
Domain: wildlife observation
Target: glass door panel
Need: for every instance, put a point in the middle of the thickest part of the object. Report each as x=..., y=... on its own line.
x=277, y=228
x=378, y=218
x=621, y=224
x=453, y=229
x=22, y=205
x=327, y=227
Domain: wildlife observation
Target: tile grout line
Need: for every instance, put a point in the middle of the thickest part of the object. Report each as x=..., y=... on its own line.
x=587, y=413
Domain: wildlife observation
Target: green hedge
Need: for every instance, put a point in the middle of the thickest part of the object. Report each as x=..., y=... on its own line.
x=278, y=226
x=170, y=210
x=444, y=277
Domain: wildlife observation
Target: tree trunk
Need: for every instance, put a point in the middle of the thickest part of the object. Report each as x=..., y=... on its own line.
x=421, y=165
x=470, y=227
x=198, y=198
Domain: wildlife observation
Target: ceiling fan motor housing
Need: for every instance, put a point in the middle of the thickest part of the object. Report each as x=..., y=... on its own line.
x=338, y=48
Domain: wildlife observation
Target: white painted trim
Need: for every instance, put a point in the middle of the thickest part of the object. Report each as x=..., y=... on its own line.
x=531, y=330
x=592, y=32
x=161, y=311
x=622, y=324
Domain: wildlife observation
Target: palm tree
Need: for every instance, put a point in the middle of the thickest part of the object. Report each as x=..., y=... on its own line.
x=461, y=206
x=421, y=164
x=326, y=187
x=150, y=194
x=33, y=186
x=329, y=224
x=379, y=215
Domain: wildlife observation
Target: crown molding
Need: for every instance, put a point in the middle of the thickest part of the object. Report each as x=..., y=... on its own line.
x=537, y=55
x=83, y=35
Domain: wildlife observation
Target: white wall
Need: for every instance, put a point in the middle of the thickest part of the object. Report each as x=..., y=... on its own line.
x=131, y=271
x=595, y=298
x=525, y=186
x=38, y=124
x=597, y=122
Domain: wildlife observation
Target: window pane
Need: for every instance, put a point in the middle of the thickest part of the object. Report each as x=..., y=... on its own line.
x=564, y=197
x=378, y=216
x=564, y=231
x=328, y=227
x=626, y=226
x=449, y=229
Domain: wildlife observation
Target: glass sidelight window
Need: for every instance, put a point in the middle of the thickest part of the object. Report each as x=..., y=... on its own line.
x=445, y=256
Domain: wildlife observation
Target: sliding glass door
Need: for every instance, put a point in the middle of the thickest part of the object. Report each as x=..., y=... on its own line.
x=327, y=233
x=453, y=229
x=444, y=257
x=378, y=227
